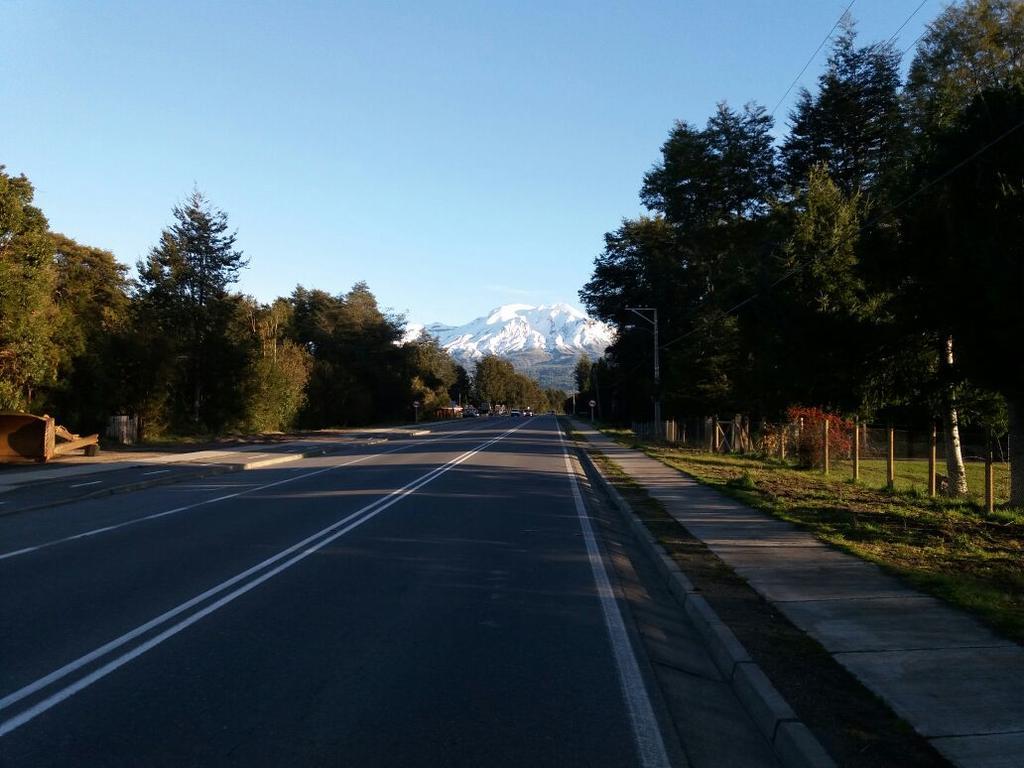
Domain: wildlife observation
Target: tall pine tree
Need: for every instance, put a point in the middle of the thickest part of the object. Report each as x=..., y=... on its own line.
x=184, y=290
x=854, y=125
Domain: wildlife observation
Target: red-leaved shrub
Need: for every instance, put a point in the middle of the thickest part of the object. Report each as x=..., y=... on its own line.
x=808, y=432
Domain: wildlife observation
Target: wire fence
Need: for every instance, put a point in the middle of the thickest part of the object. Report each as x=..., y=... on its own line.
x=904, y=458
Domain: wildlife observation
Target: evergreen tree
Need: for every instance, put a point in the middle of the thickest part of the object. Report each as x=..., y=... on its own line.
x=360, y=373
x=824, y=313
x=494, y=381
x=461, y=389
x=581, y=374
x=29, y=355
x=432, y=374
x=723, y=172
x=854, y=125
x=91, y=292
x=715, y=191
x=183, y=287
x=972, y=46
x=278, y=369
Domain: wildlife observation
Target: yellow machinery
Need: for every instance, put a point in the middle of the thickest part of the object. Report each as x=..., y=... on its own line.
x=24, y=436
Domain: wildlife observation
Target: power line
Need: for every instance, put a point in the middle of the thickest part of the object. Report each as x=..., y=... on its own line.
x=906, y=21
x=918, y=40
x=813, y=55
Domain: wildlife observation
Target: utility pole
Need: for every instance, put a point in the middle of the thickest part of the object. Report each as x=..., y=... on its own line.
x=652, y=318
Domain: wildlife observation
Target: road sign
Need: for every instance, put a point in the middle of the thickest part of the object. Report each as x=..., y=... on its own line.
x=593, y=403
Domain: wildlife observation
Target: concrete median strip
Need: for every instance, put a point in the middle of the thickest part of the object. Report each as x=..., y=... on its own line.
x=212, y=462
x=792, y=741
x=204, y=470
x=207, y=470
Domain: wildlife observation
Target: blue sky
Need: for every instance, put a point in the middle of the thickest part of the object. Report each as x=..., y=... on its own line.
x=455, y=155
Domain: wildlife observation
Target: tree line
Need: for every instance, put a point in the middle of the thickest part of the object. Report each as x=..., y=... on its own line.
x=870, y=261
x=181, y=350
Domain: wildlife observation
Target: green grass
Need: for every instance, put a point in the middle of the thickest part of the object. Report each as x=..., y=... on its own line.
x=912, y=475
x=950, y=548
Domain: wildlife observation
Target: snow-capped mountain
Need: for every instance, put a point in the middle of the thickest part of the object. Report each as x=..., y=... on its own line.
x=543, y=341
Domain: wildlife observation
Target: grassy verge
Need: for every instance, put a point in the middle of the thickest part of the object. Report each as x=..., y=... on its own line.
x=950, y=549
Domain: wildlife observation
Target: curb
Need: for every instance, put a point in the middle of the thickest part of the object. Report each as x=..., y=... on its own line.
x=791, y=740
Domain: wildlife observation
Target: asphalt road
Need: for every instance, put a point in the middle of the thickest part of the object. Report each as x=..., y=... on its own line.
x=435, y=601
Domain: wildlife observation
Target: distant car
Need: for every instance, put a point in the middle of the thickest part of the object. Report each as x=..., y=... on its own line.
x=527, y=412
x=516, y=412
x=469, y=413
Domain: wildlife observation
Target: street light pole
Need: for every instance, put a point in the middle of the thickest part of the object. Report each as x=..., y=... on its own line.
x=653, y=320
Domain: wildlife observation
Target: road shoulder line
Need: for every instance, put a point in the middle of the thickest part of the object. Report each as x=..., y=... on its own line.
x=646, y=730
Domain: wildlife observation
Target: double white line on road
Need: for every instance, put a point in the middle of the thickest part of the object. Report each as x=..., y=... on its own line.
x=204, y=502
x=304, y=548
x=186, y=507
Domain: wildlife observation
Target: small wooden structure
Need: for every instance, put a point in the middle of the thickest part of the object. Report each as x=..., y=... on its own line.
x=39, y=438
x=123, y=429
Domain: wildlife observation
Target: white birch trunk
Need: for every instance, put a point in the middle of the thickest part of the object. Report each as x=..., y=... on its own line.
x=954, y=455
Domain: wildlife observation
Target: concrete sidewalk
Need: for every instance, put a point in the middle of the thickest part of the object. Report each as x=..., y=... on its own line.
x=953, y=680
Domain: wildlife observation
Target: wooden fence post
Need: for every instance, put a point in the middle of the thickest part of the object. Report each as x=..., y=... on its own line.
x=824, y=446
x=931, y=460
x=856, y=448
x=890, y=461
x=990, y=479
x=717, y=440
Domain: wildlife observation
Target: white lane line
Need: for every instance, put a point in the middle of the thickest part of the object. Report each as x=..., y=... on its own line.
x=82, y=485
x=133, y=521
x=155, y=472
x=361, y=516
x=641, y=714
